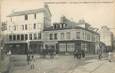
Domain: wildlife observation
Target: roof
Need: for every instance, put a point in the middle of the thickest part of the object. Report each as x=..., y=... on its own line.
x=18, y=13
x=33, y=11
x=75, y=27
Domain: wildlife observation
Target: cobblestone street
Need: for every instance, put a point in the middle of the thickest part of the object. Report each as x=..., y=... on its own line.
x=63, y=64
x=60, y=64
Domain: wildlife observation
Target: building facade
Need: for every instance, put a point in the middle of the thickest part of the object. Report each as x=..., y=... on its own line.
x=68, y=36
x=106, y=36
x=32, y=30
x=24, y=29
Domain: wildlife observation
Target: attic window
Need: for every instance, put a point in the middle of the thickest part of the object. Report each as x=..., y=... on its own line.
x=11, y=19
x=26, y=17
x=34, y=16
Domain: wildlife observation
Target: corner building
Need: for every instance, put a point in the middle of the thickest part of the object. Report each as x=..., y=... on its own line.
x=67, y=36
x=24, y=30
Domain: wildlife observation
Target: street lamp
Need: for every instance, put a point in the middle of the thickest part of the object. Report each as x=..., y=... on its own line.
x=28, y=51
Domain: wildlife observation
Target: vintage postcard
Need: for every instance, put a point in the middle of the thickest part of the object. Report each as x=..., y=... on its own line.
x=57, y=36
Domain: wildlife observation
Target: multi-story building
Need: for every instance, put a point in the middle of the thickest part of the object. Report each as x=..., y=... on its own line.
x=32, y=29
x=24, y=29
x=67, y=36
x=106, y=36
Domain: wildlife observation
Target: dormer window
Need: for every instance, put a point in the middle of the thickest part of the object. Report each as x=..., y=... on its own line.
x=34, y=26
x=11, y=19
x=22, y=27
x=26, y=17
x=14, y=27
x=35, y=16
x=26, y=27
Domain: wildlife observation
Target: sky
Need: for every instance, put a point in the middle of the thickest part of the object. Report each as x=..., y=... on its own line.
x=96, y=14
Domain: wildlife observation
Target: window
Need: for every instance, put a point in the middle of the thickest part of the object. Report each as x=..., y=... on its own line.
x=88, y=36
x=62, y=25
x=93, y=38
x=68, y=35
x=62, y=35
x=14, y=37
x=57, y=26
x=55, y=36
x=34, y=16
x=77, y=35
x=54, y=26
x=51, y=36
x=18, y=37
x=26, y=37
x=39, y=35
x=30, y=36
x=26, y=17
x=22, y=27
x=22, y=37
x=14, y=27
x=26, y=27
x=35, y=36
x=11, y=19
x=70, y=47
x=10, y=37
x=34, y=26
x=4, y=26
x=83, y=36
x=62, y=47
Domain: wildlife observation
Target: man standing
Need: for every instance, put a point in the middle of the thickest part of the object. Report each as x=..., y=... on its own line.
x=109, y=56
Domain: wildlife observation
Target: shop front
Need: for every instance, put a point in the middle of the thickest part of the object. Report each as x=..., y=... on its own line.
x=36, y=46
x=66, y=47
x=71, y=46
x=51, y=44
x=17, y=48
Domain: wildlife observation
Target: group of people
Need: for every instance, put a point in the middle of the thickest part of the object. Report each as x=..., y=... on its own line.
x=30, y=59
x=48, y=51
x=79, y=54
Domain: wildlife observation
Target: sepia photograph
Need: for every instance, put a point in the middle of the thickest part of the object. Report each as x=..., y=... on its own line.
x=57, y=36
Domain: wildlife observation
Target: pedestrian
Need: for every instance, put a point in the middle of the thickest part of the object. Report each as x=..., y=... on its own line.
x=75, y=53
x=83, y=53
x=99, y=54
x=44, y=51
x=51, y=51
x=32, y=66
x=109, y=56
x=79, y=54
x=9, y=53
x=28, y=59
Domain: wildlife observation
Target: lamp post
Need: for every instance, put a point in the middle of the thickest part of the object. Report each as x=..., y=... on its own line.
x=28, y=51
